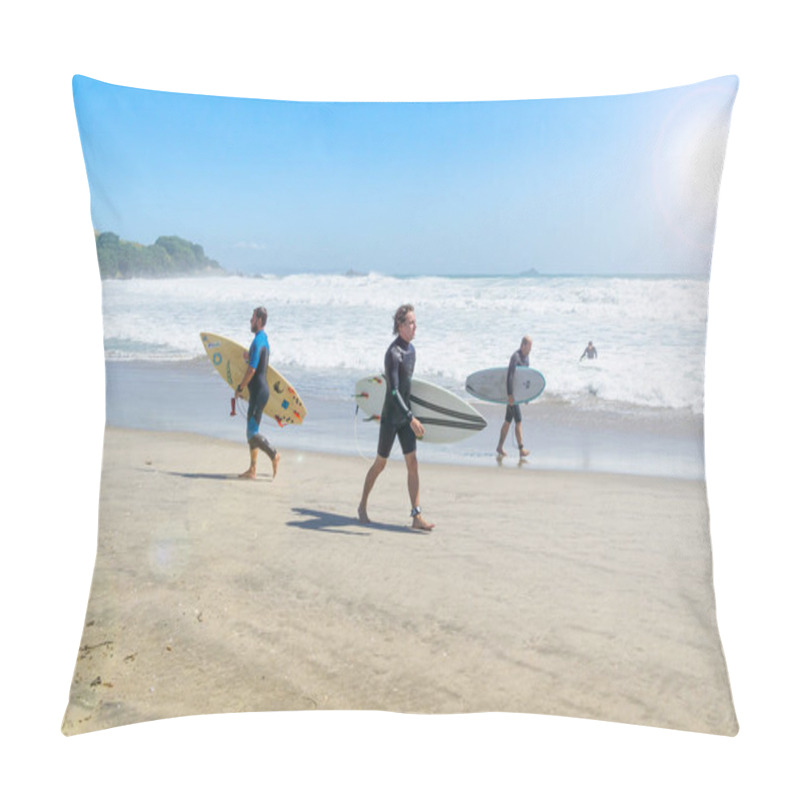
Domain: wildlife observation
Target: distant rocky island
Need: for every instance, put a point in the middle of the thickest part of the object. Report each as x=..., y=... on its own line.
x=168, y=257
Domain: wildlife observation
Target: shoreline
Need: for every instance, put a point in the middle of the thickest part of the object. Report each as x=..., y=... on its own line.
x=574, y=594
x=143, y=395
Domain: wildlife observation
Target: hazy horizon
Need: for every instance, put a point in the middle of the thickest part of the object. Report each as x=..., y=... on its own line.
x=257, y=272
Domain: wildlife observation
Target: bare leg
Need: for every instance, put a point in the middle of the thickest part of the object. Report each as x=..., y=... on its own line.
x=413, y=492
x=251, y=473
x=372, y=475
x=413, y=478
x=518, y=432
x=503, y=434
x=258, y=442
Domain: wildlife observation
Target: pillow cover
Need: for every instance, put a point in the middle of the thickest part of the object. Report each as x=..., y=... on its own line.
x=254, y=552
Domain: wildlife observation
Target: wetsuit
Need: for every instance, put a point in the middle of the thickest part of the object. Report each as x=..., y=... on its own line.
x=396, y=416
x=258, y=387
x=517, y=360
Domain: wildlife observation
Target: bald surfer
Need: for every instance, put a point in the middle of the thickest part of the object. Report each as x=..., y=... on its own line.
x=513, y=414
x=397, y=420
x=255, y=379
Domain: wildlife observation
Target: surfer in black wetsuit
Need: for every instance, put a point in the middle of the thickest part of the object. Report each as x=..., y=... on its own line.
x=590, y=352
x=513, y=414
x=255, y=378
x=397, y=419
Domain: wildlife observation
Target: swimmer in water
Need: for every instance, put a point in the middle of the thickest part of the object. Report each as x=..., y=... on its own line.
x=590, y=352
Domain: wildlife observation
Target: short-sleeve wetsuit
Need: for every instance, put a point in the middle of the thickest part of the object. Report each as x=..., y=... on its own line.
x=517, y=360
x=396, y=415
x=258, y=359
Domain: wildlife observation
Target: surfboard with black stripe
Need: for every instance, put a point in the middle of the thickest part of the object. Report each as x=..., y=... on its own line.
x=444, y=415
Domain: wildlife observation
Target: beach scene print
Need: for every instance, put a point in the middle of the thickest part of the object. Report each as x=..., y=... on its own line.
x=569, y=568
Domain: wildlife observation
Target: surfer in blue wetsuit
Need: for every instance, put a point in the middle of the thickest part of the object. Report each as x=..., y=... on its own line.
x=513, y=413
x=397, y=420
x=255, y=379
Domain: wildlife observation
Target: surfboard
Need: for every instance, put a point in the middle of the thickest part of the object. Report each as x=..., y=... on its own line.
x=229, y=359
x=490, y=384
x=444, y=415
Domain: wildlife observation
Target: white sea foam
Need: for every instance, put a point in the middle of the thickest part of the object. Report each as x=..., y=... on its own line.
x=649, y=332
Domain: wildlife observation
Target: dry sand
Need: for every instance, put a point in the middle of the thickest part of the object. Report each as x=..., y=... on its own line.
x=576, y=594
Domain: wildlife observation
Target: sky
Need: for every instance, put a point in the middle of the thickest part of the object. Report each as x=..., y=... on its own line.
x=609, y=185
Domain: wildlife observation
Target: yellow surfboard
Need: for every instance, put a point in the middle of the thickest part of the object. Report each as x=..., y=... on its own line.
x=230, y=360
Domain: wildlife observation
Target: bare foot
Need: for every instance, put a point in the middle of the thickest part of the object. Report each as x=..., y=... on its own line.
x=501, y=453
x=421, y=525
x=523, y=452
x=275, y=465
x=362, y=516
x=249, y=475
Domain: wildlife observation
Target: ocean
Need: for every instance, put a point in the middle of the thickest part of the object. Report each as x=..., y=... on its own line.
x=637, y=408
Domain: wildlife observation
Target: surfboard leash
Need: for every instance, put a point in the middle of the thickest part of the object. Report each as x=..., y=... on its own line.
x=355, y=435
x=236, y=406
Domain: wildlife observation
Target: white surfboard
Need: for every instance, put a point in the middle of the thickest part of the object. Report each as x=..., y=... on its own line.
x=444, y=415
x=228, y=357
x=490, y=384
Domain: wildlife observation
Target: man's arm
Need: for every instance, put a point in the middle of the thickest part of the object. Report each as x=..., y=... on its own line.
x=247, y=377
x=249, y=372
x=392, y=366
x=393, y=377
x=512, y=368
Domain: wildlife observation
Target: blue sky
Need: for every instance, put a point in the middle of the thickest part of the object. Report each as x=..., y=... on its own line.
x=609, y=185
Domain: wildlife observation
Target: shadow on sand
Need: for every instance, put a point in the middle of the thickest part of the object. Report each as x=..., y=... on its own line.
x=217, y=476
x=337, y=523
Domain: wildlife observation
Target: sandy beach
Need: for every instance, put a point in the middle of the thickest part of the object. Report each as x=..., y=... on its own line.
x=576, y=594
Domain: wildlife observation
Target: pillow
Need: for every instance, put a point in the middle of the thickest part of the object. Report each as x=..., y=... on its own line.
x=269, y=272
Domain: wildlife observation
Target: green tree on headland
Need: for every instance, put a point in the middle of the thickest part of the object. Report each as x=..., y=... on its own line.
x=169, y=257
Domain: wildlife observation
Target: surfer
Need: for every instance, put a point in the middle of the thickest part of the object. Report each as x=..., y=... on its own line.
x=590, y=352
x=255, y=378
x=518, y=359
x=396, y=417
